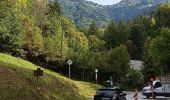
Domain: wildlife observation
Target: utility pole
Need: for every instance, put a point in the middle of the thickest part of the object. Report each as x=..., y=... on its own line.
x=62, y=38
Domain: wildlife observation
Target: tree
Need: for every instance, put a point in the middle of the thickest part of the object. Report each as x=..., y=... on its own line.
x=163, y=16
x=114, y=62
x=34, y=44
x=11, y=30
x=149, y=69
x=54, y=7
x=132, y=49
x=136, y=35
x=39, y=11
x=115, y=34
x=56, y=45
x=160, y=50
x=118, y=60
x=93, y=29
x=134, y=78
x=110, y=35
x=95, y=44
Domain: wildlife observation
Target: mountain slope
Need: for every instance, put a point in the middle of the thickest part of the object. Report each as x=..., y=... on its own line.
x=82, y=12
x=18, y=83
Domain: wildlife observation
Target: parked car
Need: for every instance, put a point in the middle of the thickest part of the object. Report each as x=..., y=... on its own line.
x=114, y=93
x=159, y=89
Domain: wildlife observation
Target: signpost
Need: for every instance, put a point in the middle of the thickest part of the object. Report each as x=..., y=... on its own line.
x=110, y=81
x=38, y=73
x=96, y=71
x=69, y=62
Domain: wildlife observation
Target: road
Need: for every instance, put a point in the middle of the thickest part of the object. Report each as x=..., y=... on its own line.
x=141, y=97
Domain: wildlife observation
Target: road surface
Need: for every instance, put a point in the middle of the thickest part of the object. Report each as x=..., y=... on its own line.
x=141, y=97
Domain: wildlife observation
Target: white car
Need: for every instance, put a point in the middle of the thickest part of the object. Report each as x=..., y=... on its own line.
x=158, y=89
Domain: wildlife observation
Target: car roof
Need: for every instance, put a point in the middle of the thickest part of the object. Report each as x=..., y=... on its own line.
x=109, y=88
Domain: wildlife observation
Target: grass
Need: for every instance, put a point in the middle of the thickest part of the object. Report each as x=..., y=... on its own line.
x=18, y=83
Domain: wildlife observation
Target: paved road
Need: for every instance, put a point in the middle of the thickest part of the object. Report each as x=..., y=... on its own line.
x=141, y=97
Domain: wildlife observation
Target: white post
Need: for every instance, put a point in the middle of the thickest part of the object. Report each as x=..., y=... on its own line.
x=111, y=81
x=96, y=71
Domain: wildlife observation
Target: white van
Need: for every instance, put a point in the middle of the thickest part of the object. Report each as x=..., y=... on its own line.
x=159, y=89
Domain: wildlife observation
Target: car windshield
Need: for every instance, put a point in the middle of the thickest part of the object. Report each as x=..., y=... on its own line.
x=108, y=92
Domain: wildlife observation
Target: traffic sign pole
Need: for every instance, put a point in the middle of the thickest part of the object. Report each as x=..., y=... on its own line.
x=69, y=62
x=96, y=71
x=38, y=73
x=69, y=71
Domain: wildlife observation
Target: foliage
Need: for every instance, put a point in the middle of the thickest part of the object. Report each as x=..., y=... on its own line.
x=134, y=78
x=11, y=30
x=93, y=29
x=114, y=62
x=163, y=16
x=118, y=60
x=160, y=49
x=115, y=34
x=95, y=44
x=136, y=35
x=149, y=69
x=33, y=40
x=132, y=49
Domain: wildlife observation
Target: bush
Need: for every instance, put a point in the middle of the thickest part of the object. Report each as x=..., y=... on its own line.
x=134, y=79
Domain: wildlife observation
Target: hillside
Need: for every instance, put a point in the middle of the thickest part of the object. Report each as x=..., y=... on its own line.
x=18, y=83
x=83, y=12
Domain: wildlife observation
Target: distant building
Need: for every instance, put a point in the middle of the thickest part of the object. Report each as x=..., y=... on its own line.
x=136, y=64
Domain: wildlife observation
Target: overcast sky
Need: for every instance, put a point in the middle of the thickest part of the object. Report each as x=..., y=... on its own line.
x=105, y=2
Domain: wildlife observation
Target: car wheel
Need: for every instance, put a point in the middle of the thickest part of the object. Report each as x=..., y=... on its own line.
x=147, y=96
x=167, y=95
x=122, y=98
x=154, y=96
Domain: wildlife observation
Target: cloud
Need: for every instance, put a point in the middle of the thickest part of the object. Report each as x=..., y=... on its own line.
x=105, y=2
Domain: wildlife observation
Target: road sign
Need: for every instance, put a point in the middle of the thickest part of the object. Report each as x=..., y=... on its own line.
x=69, y=62
x=108, y=81
x=38, y=72
x=96, y=70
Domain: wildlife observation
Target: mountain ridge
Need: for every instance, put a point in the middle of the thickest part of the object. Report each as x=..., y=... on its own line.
x=83, y=12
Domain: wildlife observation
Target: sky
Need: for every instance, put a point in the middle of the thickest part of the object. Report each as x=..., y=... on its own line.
x=105, y=2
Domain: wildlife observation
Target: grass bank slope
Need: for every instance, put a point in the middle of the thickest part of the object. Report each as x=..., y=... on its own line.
x=18, y=83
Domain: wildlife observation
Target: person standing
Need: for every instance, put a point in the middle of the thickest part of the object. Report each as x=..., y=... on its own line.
x=136, y=95
x=152, y=88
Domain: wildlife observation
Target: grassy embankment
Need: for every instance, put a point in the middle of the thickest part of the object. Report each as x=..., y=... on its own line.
x=18, y=83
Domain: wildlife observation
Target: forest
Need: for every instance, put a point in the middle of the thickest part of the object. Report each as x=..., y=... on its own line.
x=36, y=30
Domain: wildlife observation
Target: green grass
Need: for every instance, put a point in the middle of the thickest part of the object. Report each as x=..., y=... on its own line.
x=18, y=83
